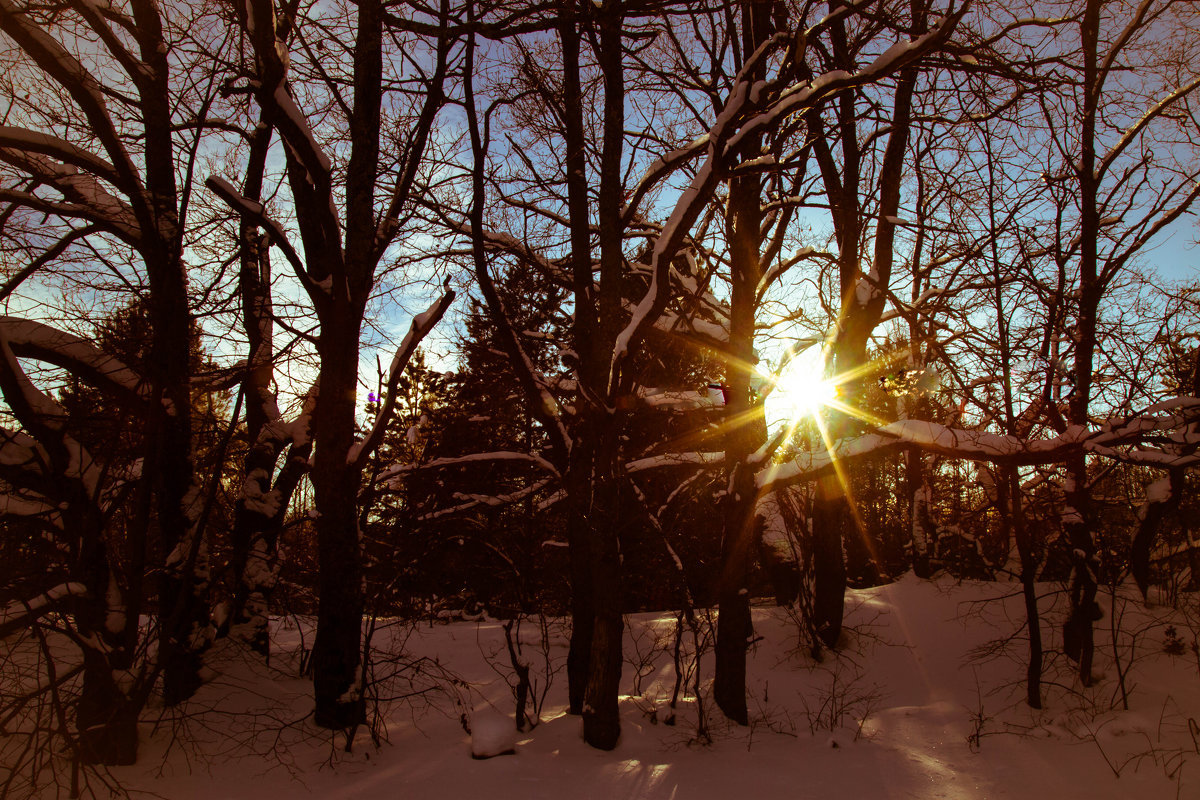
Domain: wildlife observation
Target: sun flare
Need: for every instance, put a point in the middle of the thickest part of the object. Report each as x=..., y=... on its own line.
x=805, y=394
x=801, y=390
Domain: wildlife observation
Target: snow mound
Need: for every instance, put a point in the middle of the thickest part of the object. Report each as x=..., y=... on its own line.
x=492, y=734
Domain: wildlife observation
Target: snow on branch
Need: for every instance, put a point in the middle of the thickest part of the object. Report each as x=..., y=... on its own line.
x=422, y=324
x=1165, y=422
x=36, y=411
x=78, y=356
x=46, y=420
x=65, y=69
x=693, y=459
x=744, y=96
x=533, y=383
x=473, y=458
x=98, y=15
x=776, y=271
x=273, y=96
x=12, y=505
x=800, y=97
x=489, y=500
x=1157, y=110
x=83, y=195
x=300, y=429
x=657, y=171
x=18, y=450
x=498, y=242
x=20, y=613
x=27, y=141
x=774, y=102
x=254, y=211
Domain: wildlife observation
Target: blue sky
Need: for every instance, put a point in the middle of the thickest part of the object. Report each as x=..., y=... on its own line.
x=1174, y=254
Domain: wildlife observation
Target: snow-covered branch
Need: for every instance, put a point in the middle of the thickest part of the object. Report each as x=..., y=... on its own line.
x=692, y=459
x=489, y=500
x=78, y=356
x=473, y=458
x=273, y=93
x=19, y=614
x=254, y=211
x=1123, y=440
x=422, y=324
x=771, y=103
x=22, y=140
x=57, y=62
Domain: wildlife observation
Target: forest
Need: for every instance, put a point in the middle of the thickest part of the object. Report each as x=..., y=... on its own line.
x=552, y=312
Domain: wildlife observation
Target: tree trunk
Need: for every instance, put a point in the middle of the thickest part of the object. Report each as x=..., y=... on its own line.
x=920, y=497
x=745, y=427
x=579, y=542
x=601, y=718
x=601, y=714
x=105, y=716
x=1153, y=515
x=336, y=651
x=830, y=512
x=1009, y=504
x=1078, y=638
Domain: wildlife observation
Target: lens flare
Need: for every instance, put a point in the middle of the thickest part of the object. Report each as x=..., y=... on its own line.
x=801, y=390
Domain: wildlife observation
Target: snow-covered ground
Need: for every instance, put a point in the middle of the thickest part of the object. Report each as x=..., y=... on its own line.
x=924, y=702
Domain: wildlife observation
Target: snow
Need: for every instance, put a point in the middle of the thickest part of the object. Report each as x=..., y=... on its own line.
x=674, y=460
x=300, y=122
x=492, y=734
x=1159, y=491
x=22, y=609
x=1109, y=440
x=257, y=212
x=681, y=400
x=913, y=704
x=12, y=505
x=453, y=461
x=420, y=327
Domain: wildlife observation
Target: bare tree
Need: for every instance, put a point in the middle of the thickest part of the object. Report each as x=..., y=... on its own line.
x=107, y=154
x=349, y=214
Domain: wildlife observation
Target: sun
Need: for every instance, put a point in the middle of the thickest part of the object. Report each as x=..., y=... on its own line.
x=801, y=390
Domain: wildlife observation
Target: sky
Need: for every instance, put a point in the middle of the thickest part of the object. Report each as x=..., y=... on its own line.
x=1174, y=253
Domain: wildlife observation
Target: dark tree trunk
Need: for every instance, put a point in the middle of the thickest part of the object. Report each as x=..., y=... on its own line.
x=1078, y=635
x=336, y=651
x=601, y=718
x=106, y=717
x=1009, y=504
x=601, y=714
x=1154, y=514
x=745, y=426
x=579, y=541
x=257, y=515
x=583, y=334
x=834, y=518
x=920, y=520
x=182, y=611
x=602, y=420
x=182, y=604
x=829, y=514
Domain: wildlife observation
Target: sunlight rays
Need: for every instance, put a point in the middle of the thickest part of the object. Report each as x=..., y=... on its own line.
x=802, y=391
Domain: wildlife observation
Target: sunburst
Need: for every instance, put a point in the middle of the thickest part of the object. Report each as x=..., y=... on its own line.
x=800, y=389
